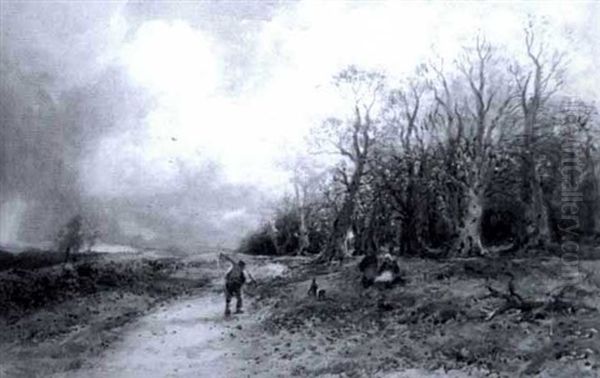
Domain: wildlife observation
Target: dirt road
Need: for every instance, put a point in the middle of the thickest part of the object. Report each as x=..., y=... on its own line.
x=186, y=339
x=189, y=338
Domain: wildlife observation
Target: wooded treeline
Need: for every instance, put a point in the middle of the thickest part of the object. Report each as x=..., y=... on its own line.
x=479, y=155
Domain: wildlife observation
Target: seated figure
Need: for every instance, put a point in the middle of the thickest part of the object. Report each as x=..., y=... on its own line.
x=369, y=266
x=388, y=273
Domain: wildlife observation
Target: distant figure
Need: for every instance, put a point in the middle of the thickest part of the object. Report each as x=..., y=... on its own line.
x=235, y=278
x=313, y=289
x=369, y=269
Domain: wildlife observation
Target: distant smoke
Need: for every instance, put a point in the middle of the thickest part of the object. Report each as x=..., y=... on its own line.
x=47, y=143
x=58, y=104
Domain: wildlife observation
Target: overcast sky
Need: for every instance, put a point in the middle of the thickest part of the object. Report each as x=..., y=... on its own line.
x=210, y=97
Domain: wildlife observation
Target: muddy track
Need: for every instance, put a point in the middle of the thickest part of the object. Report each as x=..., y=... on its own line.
x=187, y=338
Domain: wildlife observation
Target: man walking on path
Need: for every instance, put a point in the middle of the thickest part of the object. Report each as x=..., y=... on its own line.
x=235, y=278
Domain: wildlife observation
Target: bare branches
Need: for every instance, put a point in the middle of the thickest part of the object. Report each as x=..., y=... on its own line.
x=341, y=172
x=365, y=86
x=555, y=301
x=404, y=105
x=530, y=45
x=512, y=299
x=446, y=102
x=505, y=109
x=345, y=152
x=547, y=73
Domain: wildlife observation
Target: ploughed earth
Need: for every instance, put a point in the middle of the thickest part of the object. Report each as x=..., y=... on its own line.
x=147, y=315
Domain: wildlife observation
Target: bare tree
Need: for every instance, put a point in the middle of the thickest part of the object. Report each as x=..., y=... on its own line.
x=475, y=106
x=536, y=84
x=399, y=164
x=352, y=140
x=305, y=181
x=300, y=196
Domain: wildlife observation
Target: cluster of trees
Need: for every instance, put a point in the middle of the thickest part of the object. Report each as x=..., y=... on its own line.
x=483, y=155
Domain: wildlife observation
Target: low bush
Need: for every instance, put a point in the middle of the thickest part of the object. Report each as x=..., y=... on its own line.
x=284, y=239
x=258, y=243
x=36, y=259
x=6, y=259
x=24, y=290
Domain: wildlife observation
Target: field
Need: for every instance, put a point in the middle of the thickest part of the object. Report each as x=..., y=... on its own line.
x=451, y=318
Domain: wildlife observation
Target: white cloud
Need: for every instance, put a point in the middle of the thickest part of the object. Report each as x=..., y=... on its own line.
x=287, y=88
x=172, y=59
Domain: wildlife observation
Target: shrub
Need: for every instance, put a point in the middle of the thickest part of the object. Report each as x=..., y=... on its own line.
x=30, y=259
x=286, y=235
x=258, y=243
x=6, y=259
x=25, y=290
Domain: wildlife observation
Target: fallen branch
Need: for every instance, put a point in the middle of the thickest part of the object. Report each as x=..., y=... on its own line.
x=513, y=301
x=531, y=308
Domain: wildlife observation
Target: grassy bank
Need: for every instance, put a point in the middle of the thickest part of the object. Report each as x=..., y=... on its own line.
x=451, y=318
x=54, y=315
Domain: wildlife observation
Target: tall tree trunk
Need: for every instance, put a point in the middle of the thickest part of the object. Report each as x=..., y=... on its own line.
x=274, y=235
x=303, y=241
x=540, y=234
x=411, y=232
x=334, y=248
x=469, y=235
x=409, y=224
x=537, y=221
x=369, y=236
x=410, y=245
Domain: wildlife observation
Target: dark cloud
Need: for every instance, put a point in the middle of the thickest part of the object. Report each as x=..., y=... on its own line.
x=59, y=100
